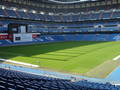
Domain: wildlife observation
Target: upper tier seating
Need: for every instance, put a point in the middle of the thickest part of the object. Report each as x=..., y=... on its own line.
x=2, y=13
x=116, y=14
x=82, y=16
x=11, y=14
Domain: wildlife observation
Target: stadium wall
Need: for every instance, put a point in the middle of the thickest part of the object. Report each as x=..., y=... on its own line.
x=45, y=35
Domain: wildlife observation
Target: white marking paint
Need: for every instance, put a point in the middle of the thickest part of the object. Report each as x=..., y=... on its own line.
x=21, y=63
x=116, y=58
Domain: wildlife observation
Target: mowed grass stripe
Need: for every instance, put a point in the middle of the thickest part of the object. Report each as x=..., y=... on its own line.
x=95, y=57
x=73, y=57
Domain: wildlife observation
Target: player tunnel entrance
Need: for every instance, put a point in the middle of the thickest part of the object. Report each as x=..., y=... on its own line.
x=17, y=28
x=19, y=32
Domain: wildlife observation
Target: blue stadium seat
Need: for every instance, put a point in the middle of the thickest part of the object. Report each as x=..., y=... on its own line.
x=23, y=15
x=95, y=16
x=116, y=14
x=2, y=13
x=11, y=13
x=106, y=15
x=15, y=80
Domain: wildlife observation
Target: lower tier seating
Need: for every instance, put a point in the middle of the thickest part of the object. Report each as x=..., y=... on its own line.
x=66, y=37
x=14, y=80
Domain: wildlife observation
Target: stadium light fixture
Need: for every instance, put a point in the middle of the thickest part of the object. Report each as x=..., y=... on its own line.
x=42, y=13
x=14, y=9
x=3, y=7
x=50, y=13
x=25, y=10
x=118, y=25
x=33, y=11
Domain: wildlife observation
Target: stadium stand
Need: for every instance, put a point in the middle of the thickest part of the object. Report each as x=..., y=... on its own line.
x=59, y=38
x=43, y=21
x=15, y=80
x=111, y=13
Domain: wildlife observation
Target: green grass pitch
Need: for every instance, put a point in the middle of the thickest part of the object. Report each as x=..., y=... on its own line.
x=74, y=57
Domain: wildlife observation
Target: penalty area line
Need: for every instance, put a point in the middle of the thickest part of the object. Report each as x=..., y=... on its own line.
x=21, y=63
x=116, y=58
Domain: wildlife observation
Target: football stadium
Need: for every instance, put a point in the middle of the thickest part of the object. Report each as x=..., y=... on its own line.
x=59, y=44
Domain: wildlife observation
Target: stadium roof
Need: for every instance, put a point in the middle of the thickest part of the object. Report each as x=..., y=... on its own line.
x=65, y=1
x=70, y=1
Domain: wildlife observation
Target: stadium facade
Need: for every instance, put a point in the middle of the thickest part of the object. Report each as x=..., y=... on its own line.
x=42, y=21
x=23, y=22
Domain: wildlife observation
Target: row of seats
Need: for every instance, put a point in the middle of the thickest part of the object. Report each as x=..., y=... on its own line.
x=75, y=29
x=64, y=27
x=100, y=86
x=77, y=9
x=67, y=29
x=82, y=27
x=65, y=37
x=111, y=14
x=14, y=80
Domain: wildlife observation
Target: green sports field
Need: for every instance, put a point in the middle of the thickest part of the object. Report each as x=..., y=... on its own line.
x=71, y=57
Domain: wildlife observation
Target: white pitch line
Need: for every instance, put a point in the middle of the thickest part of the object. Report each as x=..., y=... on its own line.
x=21, y=63
x=116, y=58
